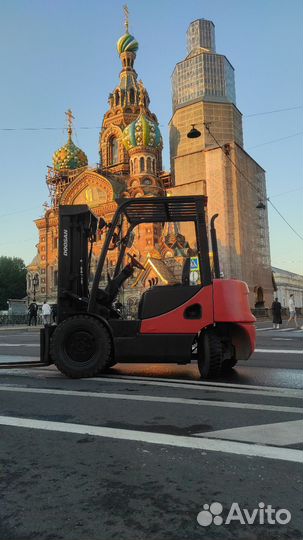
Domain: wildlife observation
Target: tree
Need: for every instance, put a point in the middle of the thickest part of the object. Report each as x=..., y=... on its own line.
x=12, y=279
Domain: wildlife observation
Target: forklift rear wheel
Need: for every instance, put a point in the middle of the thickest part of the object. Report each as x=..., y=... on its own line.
x=81, y=346
x=210, y=355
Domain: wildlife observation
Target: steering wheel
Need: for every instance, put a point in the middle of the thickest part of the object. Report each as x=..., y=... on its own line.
x=134, y=262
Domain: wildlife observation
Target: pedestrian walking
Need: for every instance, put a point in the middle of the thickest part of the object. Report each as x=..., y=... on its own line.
x=276, y=313
x=292, y=311
x=54, y=313
x=32, y=314
x=46, y=313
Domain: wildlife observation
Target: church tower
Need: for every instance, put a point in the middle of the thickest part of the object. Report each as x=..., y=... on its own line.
x=127, y=103
x=215, y=162
x=130, y=147
x=142, y=139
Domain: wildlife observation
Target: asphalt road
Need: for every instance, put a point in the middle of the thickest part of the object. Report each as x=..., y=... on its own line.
x=138, y=453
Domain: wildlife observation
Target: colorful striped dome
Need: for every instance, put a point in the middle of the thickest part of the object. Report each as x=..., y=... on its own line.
x=142, y=132
x=127, y=43
x=69, y=157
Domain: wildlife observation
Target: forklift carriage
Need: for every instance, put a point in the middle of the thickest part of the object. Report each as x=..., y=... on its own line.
x=210, y=321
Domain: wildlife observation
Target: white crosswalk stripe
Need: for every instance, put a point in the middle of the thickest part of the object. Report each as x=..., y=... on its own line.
x=253, y=440
x=153, y=399
x=194, y=443
x=278, y=434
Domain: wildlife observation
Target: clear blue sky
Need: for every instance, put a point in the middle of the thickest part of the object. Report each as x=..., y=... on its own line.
x=60, y=54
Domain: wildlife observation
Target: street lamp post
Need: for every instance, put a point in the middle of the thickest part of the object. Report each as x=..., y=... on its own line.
x=35, y=284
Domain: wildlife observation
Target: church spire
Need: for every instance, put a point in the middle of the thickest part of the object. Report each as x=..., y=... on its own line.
x=70, y=119
x=127, y=45
x=69, y=156
x=126, y=13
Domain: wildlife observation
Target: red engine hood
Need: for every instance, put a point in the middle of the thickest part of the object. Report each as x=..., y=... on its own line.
x=231, y=302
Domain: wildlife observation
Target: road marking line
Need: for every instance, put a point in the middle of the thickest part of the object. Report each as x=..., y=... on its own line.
x=204, y=383
x=194, y=443
x=289, y=329
x=263, y=329
x=282, y=351
x=19, y=345
x=51, y=372
x=196, y=385
x=279, y=434
x=154, y=399
x=256, y=350
x=7, y=359
x=282, y=339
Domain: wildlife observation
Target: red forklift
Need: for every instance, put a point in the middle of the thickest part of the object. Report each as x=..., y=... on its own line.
x=210, y=321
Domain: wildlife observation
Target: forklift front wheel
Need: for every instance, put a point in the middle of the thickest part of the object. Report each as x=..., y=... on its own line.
x=210, y=355
x=81, y=346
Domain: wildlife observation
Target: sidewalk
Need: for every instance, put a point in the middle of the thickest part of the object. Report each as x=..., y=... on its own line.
x=22, y=327
x=259, y=324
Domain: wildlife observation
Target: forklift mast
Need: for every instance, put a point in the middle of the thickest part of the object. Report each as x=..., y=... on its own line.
x=77, y=228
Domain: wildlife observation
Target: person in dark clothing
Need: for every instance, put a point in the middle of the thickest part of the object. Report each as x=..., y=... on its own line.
x=54, y=313
x=32, y=314
x=276, y=313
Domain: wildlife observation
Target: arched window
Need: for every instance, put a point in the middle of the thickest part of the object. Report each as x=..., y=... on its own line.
x=131, y=167
x=259, y=303
x=154, y=165
x=148, y=163
x=135, y=165
x=132, y=96
x=113, y=151
x=141, y=164
x=117, y=97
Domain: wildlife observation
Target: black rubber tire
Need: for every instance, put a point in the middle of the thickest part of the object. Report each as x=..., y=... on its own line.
x=210, y=355
x=81, y=346
x=111, y=363
x=228, y=364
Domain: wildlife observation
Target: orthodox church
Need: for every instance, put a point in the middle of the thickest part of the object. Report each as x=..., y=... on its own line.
x=130, y=148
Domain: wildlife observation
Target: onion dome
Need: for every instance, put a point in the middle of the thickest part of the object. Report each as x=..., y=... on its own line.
x=69, y=156
x=142, y=132
x=127, y=43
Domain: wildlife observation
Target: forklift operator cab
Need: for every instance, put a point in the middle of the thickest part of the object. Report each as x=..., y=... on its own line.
x=91, y=335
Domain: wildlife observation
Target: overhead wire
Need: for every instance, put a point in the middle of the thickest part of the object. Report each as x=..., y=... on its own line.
x=211, y=134
x=46, y=128
x=18, y=212
x=276, y=209
x=225, y=151
x=276, y=140
x=98, y=127
x=274, y=111
x=287, y=192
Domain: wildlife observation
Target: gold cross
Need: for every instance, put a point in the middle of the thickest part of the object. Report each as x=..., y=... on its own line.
x=126, y=13
x=70, y=118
